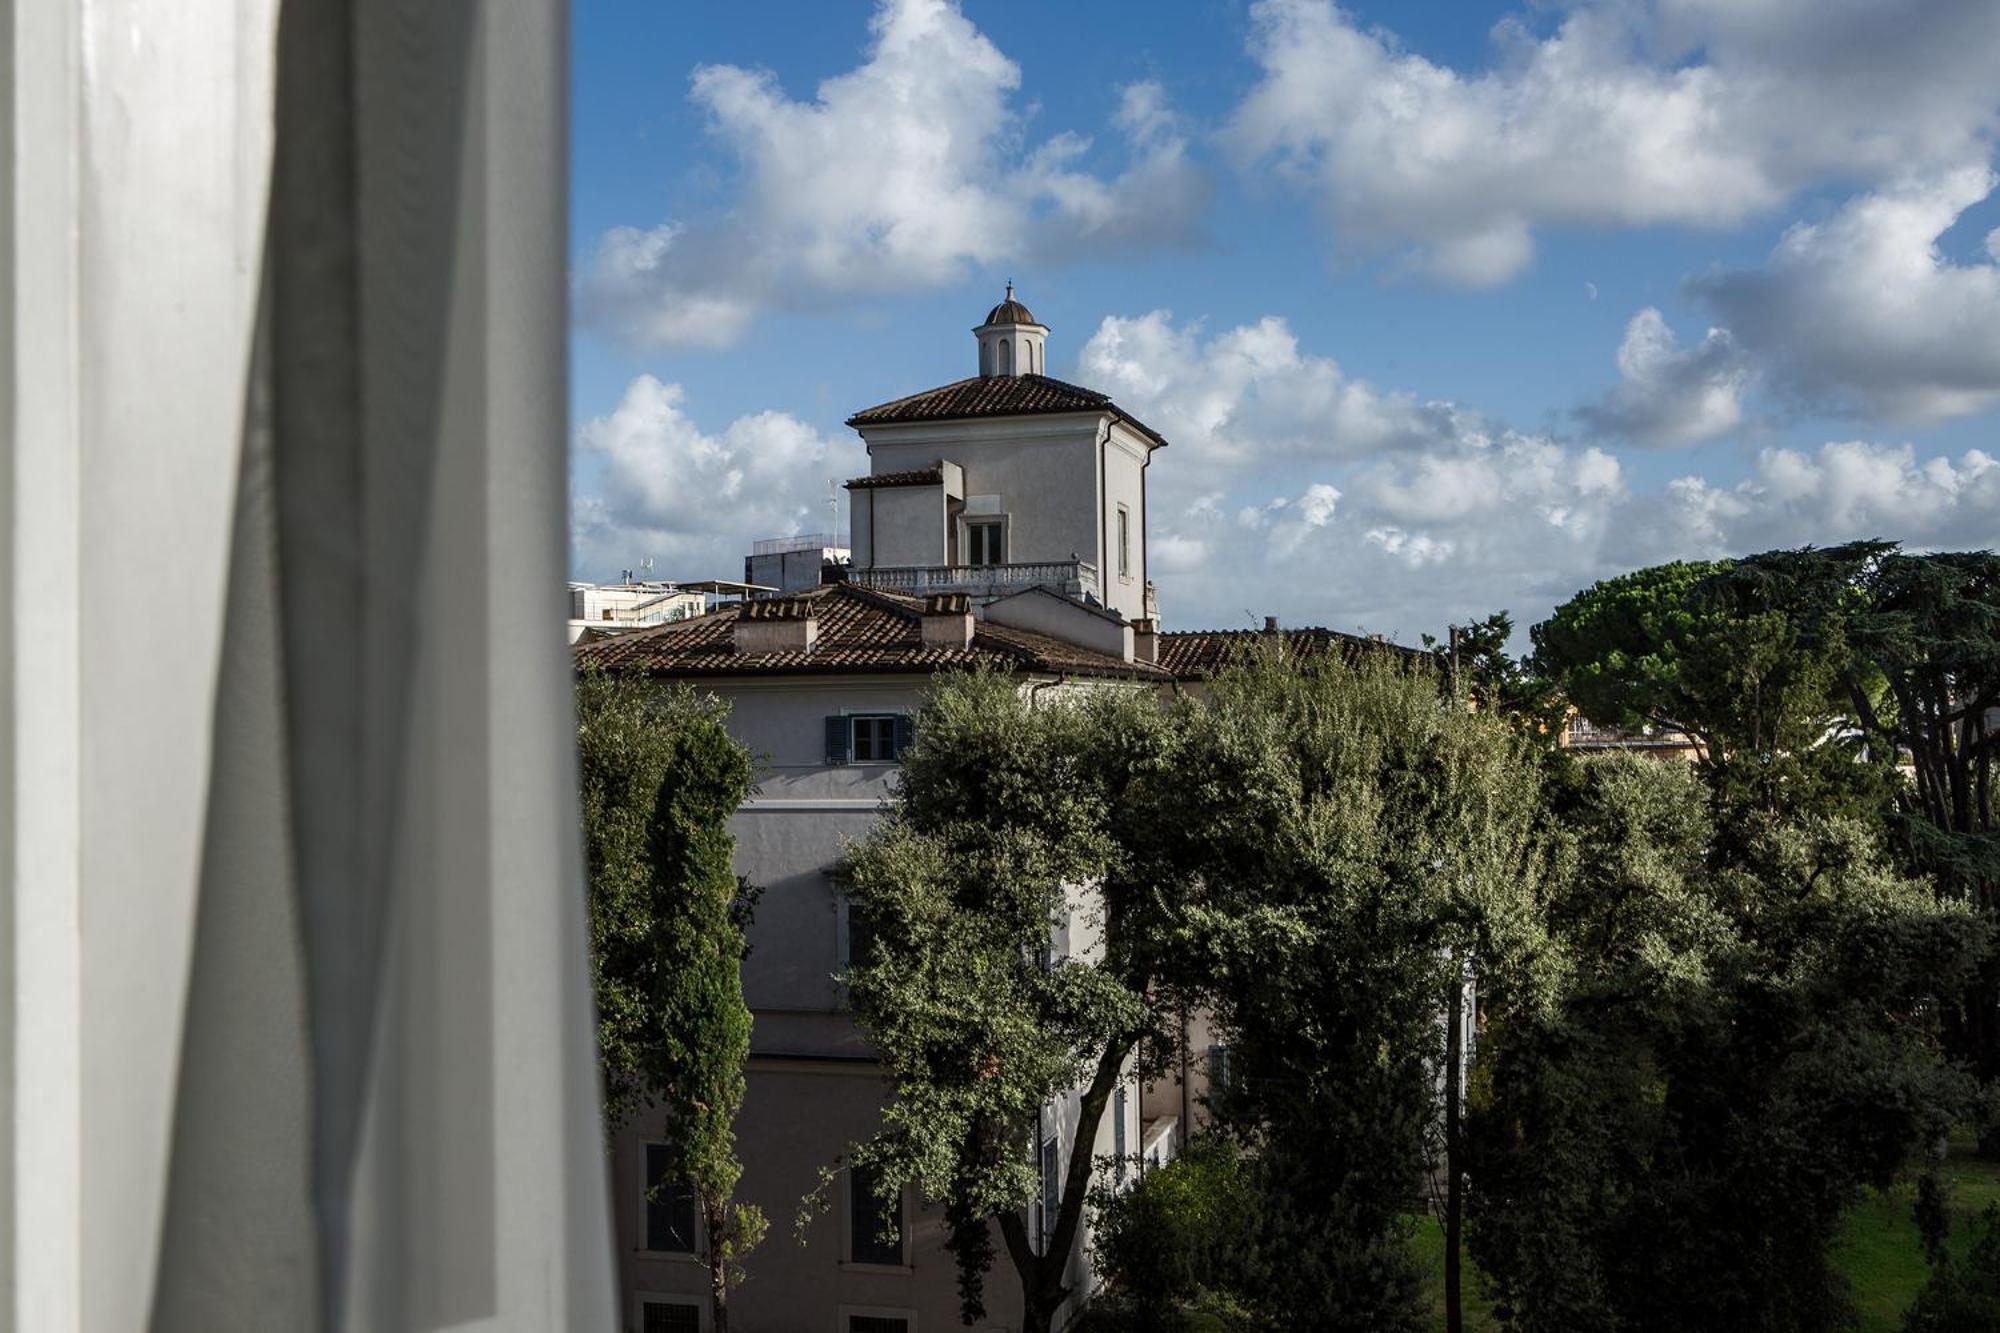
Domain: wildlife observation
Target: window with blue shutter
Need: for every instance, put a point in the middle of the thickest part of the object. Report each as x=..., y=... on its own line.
x=837, y=732
x=906, y=731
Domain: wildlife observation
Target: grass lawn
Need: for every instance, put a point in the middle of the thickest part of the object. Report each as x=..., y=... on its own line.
x=1429, y=1244
x=1880, y=1254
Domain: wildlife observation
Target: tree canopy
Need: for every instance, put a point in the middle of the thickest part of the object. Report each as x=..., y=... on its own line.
x=661, y=777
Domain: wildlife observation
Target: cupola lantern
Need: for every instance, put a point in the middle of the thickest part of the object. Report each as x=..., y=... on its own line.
x=1010, y=341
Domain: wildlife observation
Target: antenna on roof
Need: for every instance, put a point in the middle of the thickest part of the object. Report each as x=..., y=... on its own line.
x=646, y=569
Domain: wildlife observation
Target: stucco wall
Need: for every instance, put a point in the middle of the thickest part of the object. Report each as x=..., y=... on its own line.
x=1043, y=470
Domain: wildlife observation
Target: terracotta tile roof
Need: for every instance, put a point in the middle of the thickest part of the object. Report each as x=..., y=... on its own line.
x=923, y=476
x=1192, y=654
x=860, y=630
x=998, y=396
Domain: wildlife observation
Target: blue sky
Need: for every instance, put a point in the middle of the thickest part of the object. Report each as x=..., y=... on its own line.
x=1446, y=307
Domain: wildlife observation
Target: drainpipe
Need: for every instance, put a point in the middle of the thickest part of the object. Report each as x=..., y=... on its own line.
x=1103, y=538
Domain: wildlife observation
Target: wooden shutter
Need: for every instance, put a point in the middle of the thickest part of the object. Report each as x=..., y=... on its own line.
x=837, y=732
x=906, y=731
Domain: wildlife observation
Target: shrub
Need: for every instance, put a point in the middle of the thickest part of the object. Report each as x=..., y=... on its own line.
x=1181, y=1229
x=1963, y=1297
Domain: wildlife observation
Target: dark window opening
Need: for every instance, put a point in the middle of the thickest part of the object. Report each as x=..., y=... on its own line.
x=870, y=1218
x=876, y=1323
x=1118, y=1135
x=874, y=739
x=670, y=1317
x=670, y=1211
x=1051, y=1192
x=986, y=543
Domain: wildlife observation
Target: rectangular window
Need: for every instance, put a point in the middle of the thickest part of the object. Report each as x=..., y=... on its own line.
x=986, y=543
x=670, y=1317
x=1124, y=541
x=877, y=1323
x=1118, y=1107
x=670, y=1211
x=874, y=738
x=1220, y=1077
x=867, y=1212
x=1051, y=1191
x=857, y=936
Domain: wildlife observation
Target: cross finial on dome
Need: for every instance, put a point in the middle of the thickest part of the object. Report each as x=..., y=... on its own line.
x=1010, y=289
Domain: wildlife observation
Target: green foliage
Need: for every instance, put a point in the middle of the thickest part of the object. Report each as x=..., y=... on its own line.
x=1187, y=1226
x=1808, y=674
x=1345, y=839
x=1008, y=802
x=661, y=777
x=1744, y=1036
x=1963, y=1297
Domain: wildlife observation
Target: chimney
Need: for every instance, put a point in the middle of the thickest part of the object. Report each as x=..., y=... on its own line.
x=1272, y=640
x=775, y=625
x=1146, y=639
x=947, y=620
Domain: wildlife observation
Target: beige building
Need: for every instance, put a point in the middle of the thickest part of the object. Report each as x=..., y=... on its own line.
x=1003, y=523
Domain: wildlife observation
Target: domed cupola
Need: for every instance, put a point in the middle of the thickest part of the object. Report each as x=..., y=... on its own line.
x=1010, y=341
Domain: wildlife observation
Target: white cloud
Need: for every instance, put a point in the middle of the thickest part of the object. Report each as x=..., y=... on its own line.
x=1249, y=394
x=900, y=173
x=1863, y=313
x=652, y=483
x=1630, y=113
x=1291, y=489
x=1668, y=394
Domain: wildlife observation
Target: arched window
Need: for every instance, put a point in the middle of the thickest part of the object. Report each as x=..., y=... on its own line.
x=1005, y=350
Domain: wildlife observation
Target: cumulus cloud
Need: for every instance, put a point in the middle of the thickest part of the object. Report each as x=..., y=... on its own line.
x=1864, y=313
x=901, y=173
x=1292, y=489
x=1249, y=393
x=1668, y=394
x=1629, y=113
x=652, y=483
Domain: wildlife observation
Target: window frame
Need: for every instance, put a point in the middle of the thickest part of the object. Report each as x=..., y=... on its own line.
x=993, y=523
x=641, y=1299
x=700, y=1240
x=844, y=1315
x=905, y=1240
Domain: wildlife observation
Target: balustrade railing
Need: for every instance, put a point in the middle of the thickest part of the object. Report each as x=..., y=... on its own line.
x=1076, y=577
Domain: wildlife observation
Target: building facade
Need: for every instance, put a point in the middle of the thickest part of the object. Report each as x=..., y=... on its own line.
x=1003, y=523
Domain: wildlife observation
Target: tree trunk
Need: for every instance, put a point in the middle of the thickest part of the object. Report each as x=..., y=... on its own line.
x=716, y=1219
x=1454, y=1201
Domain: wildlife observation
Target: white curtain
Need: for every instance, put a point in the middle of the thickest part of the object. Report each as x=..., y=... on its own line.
x=297, y=1031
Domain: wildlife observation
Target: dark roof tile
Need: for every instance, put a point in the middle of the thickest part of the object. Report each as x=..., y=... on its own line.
x=1192, y=654
x=859, y=630
x=923, y=476
x=998, y=396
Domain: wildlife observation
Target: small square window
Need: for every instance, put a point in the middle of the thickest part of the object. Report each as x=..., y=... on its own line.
x=877, y=1323
x=986, y=543
x=669, y=1317
x=874, y=738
